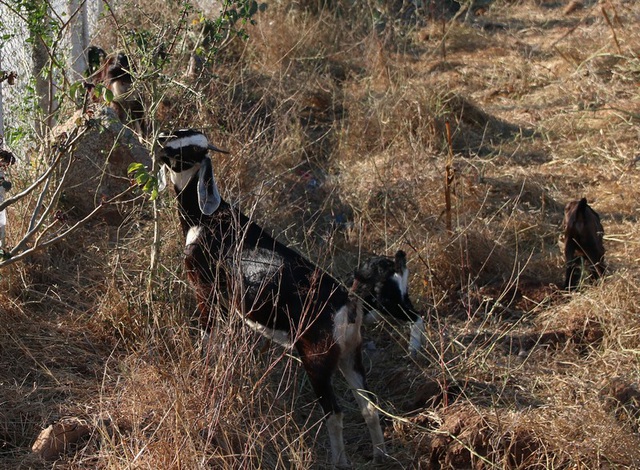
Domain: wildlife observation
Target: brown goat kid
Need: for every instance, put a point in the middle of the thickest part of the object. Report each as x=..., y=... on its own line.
x=583, y=245
x=115, y=75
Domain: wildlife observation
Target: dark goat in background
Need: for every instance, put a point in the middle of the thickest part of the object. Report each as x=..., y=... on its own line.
x=115, y=75
x=583, y=245
x=95, y=57
x=237, y=268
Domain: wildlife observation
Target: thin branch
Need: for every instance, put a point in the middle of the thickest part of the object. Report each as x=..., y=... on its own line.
x=13, y=256
x=33, y=226
x=46, y=174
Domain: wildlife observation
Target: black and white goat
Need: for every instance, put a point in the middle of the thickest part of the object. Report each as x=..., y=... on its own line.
x=237, y=267
x=390, y=295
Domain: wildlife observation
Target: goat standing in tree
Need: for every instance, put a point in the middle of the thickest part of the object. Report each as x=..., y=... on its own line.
x=583, y=244
x=115, y=75
x=238, y=268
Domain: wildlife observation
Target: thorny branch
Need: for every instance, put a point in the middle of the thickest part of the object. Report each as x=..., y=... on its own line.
x=71, y=139
x=38, y=218
x=12, y=256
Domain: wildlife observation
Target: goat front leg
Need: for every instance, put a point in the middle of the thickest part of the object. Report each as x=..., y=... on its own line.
x=353, y=371
x=320, y=368
x=597, y=266
x=574, y=265
x=336, y=440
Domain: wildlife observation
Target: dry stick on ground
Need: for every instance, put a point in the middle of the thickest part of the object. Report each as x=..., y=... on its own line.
x=448, y=179
x=613, y=31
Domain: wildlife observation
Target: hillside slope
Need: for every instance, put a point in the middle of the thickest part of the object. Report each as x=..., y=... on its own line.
x=336, y=120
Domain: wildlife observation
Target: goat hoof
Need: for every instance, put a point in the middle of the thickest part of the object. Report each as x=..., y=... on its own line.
x=380, y=456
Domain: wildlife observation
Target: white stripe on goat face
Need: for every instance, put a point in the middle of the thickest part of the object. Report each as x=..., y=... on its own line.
x=403, y=281
x=196, y=140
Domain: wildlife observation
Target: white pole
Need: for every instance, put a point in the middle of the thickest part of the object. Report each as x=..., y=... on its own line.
x=1, y=109
x=78, y=31
x=3, y=213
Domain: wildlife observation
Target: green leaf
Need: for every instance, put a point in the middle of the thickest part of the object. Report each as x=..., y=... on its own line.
x=142, y=179
x=135, y=166
x=107, y=95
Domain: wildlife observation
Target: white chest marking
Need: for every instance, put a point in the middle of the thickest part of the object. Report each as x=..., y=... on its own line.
x=402, y=280
x=193, y=234
x=181, y=179
x=279, y=336
x=119, y=88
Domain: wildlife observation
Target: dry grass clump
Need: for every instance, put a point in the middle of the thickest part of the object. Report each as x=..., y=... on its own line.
x=336, y=126
x=174, y=396
x=613, y=306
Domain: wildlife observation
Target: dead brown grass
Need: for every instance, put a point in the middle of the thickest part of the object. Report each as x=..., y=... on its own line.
x=338, y=145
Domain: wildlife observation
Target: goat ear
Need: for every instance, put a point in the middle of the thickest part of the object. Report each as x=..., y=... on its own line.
x=208, y=195
x=162, y=178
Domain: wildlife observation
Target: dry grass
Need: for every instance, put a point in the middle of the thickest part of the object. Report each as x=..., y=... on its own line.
x=338, y=144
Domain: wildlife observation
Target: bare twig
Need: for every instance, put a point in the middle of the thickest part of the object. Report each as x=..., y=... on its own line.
x=35, y=226
x=448, y=179
x=613, y=31
x=14, y=256
x=69, y=142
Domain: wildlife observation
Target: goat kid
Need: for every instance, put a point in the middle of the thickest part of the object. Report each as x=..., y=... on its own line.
x=392, y=286
x=95, y=57
x=115, y=75
x=583, y=233
x=237, y=267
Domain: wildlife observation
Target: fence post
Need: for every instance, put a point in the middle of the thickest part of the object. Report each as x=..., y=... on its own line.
x=6, y=157
x=3, y=213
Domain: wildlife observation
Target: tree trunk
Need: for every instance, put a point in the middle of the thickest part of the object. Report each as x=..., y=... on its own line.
x=79, y=35
x=3, y=214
